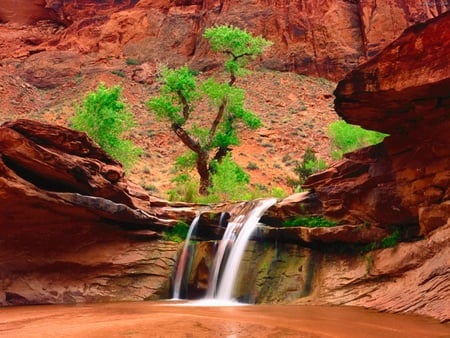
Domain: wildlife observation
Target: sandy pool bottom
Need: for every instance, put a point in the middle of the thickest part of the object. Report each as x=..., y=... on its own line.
x=165, y=319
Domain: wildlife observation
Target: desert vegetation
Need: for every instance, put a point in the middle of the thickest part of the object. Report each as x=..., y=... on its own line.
x=209, y=138
x=107, y=119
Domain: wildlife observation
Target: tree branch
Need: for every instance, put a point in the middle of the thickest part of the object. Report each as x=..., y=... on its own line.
x=185, y=104
x=187, y=140
x=217, y=120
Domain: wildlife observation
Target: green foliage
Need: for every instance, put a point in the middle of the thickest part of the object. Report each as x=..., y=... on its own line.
x=107, y=120
x=179, y=86
x=185, y=189
x=238, y=44
x=278, y=192
x=119, y=73
x=132, y=62
x=309, y=165
x=391, y=240
x=180, y=96
x=310, y=222
x=229, y=181
x=177, y=233
x=347, y=137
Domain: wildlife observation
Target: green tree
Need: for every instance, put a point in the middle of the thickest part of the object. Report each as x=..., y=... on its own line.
x=180, y=95
x=107, y=119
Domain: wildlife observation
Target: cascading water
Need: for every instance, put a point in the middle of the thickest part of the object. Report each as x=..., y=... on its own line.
x=232, y=247
x=184, y=260
x=224, y=271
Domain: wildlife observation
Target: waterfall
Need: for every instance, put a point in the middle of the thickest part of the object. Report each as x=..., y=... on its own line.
x=184, y=260
x=243, y=221
x=232, y=246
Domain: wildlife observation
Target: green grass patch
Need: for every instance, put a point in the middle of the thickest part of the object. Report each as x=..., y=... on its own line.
x=348, y=137
x=310, y=222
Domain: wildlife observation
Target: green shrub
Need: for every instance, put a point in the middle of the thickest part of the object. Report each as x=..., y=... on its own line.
x=177, y=233
x=107, y=120
x=278, y=192
x=119, y=73
x=310, y=164
x=185, y=189
x=391, y=240
x=252, y=166
x=310, y=222
x=229, y=181
x=132, y=62
x=347, y=137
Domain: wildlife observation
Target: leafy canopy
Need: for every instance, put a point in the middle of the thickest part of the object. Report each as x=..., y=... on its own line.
x=107, y=119
x=209, y=132
x=238, y=44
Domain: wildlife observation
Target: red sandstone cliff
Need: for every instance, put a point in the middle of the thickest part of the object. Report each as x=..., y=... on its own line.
x=323, y=38
x=80, y=206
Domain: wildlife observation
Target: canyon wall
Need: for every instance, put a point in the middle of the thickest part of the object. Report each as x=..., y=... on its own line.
x=400, y=186
x=322, y=38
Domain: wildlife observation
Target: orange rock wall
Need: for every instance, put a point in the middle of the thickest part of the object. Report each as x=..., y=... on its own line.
x=325, y=38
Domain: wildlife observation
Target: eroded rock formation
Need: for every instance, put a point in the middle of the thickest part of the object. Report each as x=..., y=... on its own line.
x=402, y=185
x=73, y=228
x=323, y=38
x=404, y=182
x=404, y=91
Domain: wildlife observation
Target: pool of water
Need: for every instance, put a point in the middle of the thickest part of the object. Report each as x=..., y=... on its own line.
x=163, y=319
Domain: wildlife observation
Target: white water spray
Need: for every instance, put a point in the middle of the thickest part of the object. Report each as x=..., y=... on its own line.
x=243, y=222
x=183, y=261
x=231, y=249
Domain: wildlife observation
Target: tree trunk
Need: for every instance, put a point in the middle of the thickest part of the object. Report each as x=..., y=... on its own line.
x=203, y=171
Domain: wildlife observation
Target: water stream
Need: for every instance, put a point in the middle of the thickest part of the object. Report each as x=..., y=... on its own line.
x=185, y=260
x=243, y=221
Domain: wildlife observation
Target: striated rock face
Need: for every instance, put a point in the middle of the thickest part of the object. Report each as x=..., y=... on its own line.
x=402, y=183
x=322, y=38
x=72, y=228
x=403, y=91
x=412, y=277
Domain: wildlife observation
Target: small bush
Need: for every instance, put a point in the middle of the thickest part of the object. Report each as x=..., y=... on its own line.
x=229, y=181
x=347, y=137
x=309, y=165
x=310, y=222
x=177, y=233
x=252, y=166
x=391, y=240
x=185, y=189
x=118, y=73
x=132, y=62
